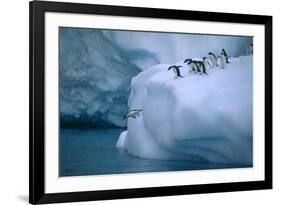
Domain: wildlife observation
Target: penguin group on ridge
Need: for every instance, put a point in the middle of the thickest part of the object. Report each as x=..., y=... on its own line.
x=196, y=66
x=200, y=65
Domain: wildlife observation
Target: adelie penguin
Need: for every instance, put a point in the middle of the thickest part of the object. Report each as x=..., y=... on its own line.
x=201, y=66
x=225, y=55
x=176, y=70
x=196, y=66
x=192, y=65
x=213, y=59
x=132, y=113
x=206, y=62
x=223, y=60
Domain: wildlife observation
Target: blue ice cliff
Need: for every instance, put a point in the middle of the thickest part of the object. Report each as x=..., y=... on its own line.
x=95, y=79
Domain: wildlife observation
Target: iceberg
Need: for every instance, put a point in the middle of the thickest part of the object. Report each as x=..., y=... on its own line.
x=96, y=67
x=206, y=118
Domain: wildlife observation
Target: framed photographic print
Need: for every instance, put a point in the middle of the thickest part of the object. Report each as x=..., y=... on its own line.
x=139, y=102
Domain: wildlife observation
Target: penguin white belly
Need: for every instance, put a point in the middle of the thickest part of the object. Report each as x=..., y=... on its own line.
x=213, y=60
x=223, y=61
x=191, y=66
x=200, y=68
x=175, y=72
x=195, y=67
x=206, y=63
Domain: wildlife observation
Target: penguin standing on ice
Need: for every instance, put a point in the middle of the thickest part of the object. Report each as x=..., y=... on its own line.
x=225, y=55
x=187, y=60
x=192, y=65
x=206, y=62
x=213, y=59
x=176, y=70
x=201, y=66
x=196, y=66
x=223, y=60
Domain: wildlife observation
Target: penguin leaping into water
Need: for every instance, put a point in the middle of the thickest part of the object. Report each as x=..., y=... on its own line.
x=132, y=113
x=176, y=70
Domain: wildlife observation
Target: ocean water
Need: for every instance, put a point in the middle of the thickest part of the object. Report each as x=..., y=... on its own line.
x=93, y=152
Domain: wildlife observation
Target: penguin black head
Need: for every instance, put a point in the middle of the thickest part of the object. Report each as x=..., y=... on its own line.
x=204, y=58
x=172, y=66
x=187, y=60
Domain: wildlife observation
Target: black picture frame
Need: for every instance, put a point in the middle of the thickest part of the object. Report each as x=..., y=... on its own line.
x=37, y=9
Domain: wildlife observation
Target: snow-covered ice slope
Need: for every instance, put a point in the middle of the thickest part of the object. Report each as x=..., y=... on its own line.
x=198, y=117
